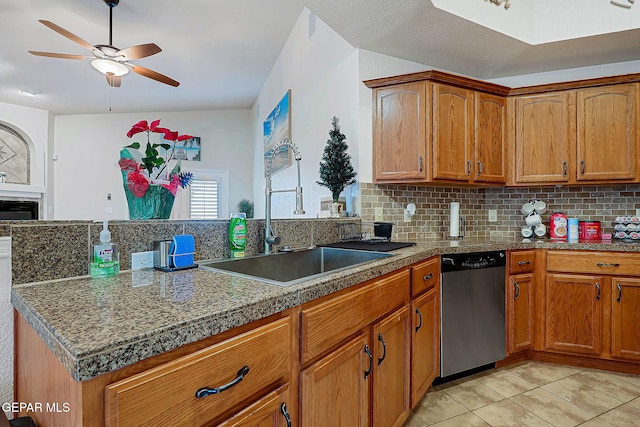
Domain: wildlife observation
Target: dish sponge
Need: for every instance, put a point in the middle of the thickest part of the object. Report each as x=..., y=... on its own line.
x=181, y=251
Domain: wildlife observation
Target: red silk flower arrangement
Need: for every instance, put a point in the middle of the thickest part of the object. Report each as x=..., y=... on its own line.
x=149, y=167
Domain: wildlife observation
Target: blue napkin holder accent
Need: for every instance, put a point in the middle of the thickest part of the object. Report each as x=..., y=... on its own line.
x=181, y=252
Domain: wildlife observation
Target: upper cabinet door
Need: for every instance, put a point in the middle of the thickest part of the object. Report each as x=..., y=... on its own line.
x=400, y=132
x=542, y=138
x=490, y=128
x=452, y=132
x=607, y=132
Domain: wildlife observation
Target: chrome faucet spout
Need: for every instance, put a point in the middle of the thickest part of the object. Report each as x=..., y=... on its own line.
x=270, y=238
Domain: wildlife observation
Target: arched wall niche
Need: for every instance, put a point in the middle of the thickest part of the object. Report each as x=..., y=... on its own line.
x=15, y=154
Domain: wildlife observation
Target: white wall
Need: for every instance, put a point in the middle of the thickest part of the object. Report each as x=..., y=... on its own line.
x=322, y=73
x=88, y=146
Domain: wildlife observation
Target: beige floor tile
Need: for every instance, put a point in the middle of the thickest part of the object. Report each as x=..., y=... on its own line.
x=552, y=408
x=606, y=382
x=539, y=373
x=626, y=415
x=415, y=421
x=468, y=419
x=635, y=402
x=437, y=406
x=506, y=414
x=474, y=394
x=506, y=383
x=597, y=422
x=630, y=378
x=583, y=396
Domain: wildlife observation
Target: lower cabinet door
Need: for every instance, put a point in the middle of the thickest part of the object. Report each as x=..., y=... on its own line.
x=334, y=391
x=425, y=343
x=391, y=369
x=520, y=313
x=270, y=411
x=625, y=321
x=574, y=310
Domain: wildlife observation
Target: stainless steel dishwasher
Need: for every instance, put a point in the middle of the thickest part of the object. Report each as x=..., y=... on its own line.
x=472, y=311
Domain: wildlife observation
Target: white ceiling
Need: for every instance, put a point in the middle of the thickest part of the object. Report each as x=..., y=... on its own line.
x=222, y=51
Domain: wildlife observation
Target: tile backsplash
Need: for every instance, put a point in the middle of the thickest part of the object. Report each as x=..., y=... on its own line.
x=596, y=203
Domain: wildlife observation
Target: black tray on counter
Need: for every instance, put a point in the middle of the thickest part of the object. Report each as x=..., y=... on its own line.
x=370, y=245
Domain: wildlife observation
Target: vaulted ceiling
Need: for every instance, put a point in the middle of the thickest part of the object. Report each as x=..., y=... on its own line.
x=221, y=52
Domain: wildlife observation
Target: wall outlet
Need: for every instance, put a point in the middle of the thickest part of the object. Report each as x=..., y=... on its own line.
x=141, y=260
x=378, y=214
x=493, y=215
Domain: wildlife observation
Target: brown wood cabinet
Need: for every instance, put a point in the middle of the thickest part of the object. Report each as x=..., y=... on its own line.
x=575, y=136
x=401, y=128
x=519, y=300
x=391, y=338
x=574, y=312
x=625, y=312
x=543, y=138
x=203, y=386
x=366, y=380
x=336, y=389
x=437, y=127
x=425, y=343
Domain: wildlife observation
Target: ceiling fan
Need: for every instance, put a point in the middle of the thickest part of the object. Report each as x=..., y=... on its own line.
x=109, y=60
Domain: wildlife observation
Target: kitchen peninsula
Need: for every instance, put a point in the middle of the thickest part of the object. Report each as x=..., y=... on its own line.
x=105, y=339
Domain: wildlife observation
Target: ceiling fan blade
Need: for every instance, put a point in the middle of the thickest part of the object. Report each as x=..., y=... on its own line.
x=154, y=75
x=57, y=55
x=139, y=51
x=58, y=29
x=113, y=80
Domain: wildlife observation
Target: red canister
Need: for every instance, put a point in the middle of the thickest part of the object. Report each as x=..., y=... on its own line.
x=558, y=226
x=590, y=230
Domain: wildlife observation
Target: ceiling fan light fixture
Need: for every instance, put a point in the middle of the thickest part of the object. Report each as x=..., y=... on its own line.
x=109, y=66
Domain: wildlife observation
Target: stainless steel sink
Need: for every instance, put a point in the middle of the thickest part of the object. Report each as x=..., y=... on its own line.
x=287, y=268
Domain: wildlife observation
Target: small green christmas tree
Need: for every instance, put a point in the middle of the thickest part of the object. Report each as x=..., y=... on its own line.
x=336, y=171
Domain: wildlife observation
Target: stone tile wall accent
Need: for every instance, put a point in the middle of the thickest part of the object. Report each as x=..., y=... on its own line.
x=596, y=203
x=47, y=250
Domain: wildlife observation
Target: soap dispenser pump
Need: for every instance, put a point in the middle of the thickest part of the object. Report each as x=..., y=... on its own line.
x=105, y=256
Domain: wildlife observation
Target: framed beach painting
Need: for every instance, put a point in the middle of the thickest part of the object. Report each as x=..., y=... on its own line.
x=276, y=127
x=189, y=149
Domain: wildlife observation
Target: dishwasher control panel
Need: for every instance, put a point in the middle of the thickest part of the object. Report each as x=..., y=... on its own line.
x=472, y=261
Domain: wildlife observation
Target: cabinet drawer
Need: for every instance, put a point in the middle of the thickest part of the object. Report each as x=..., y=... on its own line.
x=425, y=275
x=594, y=262
x=166, y=395
x=328, y=323
x=521, y=262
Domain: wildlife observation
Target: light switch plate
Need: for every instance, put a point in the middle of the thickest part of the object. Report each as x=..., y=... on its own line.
x=141, y=260
x=493, y=215
x=407, y=216
x=638, y=213
x=378, y=214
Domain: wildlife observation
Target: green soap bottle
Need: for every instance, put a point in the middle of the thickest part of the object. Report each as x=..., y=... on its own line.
x=237, y=234
x=105, y=256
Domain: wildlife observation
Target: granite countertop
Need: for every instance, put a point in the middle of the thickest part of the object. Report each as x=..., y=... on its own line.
x=94, y=326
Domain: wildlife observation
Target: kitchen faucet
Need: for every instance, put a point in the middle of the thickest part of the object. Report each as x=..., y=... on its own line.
x=270, y=238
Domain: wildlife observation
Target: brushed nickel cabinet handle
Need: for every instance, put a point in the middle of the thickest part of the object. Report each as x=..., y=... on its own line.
x=565, y=168
x=420, y=163
x=480, y=170
x=468, y=167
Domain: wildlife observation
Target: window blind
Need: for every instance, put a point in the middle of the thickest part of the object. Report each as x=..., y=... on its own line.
x=204, y=199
